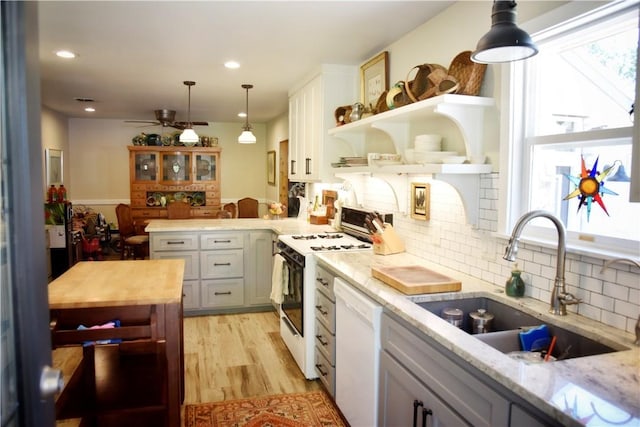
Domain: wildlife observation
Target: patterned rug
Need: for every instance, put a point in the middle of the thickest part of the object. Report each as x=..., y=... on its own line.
x=283, y=410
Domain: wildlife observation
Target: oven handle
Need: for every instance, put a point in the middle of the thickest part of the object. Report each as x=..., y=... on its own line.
x=291, y=327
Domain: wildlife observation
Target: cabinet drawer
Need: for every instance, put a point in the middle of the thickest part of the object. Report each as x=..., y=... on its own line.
x=222, y=293
x=220, y=264
x=326, y=343
x=326, y=311
x=190, y=294
x=222, y=241
x=479, y=404
x=326, y=373
x=324, y=282
x=174, y=242
x=146, y=213
x=191, y=262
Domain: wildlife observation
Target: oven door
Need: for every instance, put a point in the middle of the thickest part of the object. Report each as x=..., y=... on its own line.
x=292, y=304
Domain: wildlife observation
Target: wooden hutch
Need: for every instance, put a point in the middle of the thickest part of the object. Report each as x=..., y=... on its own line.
x=160, y=175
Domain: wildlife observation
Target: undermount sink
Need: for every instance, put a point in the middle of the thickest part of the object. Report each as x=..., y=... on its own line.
x=509, y=321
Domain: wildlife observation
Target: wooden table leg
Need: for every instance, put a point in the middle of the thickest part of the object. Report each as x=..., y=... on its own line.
x=173, y=335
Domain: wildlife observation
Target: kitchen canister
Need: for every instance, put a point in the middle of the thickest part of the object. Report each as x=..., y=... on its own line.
x=481, y=321
x=453, y=316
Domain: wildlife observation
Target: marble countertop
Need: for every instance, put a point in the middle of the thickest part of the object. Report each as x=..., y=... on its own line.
x=278, y=226
x=566, y=390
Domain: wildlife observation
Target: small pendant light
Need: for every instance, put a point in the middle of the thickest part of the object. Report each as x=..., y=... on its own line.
x=247, y=137
x=505, y=42
x=189, y=137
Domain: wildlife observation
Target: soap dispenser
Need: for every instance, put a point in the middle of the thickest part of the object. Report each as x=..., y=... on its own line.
x=515, y=285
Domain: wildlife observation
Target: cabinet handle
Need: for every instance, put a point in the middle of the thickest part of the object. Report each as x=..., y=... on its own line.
x=319, y=368
x=181, y=242
x=293, y=167
x=218, y=264
x=416, y=404
x=425, y=413
x=222, y=293
x=322, y=340
x=222, y=241
x=307, y=166
x=323, y=282
x=324, y=313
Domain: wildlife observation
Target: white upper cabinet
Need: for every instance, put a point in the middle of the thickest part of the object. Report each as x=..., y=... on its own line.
x=311, y=114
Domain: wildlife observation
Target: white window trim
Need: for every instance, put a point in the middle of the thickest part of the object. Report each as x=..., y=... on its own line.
x=513, y=174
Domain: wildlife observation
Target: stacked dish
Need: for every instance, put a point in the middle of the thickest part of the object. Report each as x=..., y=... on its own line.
x=428, y=150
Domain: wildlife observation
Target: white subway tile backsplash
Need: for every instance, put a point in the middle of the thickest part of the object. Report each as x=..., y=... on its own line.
x=612, y=297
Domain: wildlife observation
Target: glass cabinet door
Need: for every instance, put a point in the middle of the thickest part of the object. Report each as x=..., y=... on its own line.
x=176, y=167
x=205, y=167
x=145, y=167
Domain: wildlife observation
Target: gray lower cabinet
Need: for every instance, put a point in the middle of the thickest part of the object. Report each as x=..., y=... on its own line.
x=417, y=372
x=435, y=380
x=325, y=330
x=224, y=271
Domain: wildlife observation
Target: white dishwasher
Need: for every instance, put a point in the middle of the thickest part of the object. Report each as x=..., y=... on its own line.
x=357, y=354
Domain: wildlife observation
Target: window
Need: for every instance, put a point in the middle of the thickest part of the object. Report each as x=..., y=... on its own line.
x=576, y=96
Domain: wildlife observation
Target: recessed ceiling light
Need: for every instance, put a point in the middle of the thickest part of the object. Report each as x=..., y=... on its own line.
x=89, y=109
x=243, y=115
x=67, y=54
x=232, y=65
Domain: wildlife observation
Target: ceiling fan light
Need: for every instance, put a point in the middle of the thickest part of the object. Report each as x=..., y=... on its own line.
x=505, y=42
x=189, y=137
x=247, y=137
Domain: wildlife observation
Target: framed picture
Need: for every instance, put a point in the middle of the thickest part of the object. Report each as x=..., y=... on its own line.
x=374, y=79
x=271, y=167
x=53, y=166
x=420, y=201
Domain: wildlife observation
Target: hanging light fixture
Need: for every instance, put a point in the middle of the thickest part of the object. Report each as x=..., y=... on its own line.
x=247, y=137
x=189, y=137
x=505, y=42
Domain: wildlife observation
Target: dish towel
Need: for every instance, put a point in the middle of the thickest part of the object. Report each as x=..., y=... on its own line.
x=277, y=279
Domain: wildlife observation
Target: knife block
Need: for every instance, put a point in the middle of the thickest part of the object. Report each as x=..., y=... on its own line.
x=390, y=244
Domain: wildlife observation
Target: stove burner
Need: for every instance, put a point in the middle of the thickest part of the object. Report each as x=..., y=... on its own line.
x=330, y=236
x=304, y=237
x=325, y=248
x=361, y=246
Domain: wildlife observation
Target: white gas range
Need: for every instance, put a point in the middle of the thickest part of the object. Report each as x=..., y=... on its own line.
x=297, y=312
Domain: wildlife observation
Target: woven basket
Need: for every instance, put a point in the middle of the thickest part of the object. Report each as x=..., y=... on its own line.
x=468, y=73
x=417, y=88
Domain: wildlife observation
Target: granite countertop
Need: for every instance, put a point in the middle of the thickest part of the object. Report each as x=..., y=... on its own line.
x=607, y=382
x=278, y=226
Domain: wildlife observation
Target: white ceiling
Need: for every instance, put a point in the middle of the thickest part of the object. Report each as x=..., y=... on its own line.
x=134, y=55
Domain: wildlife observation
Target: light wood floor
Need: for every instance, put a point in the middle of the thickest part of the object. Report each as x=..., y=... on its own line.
x=226, y=357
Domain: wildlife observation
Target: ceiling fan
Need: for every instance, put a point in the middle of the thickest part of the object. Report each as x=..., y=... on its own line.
x=166, y=118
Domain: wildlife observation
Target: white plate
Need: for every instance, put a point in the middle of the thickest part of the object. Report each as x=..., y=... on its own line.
x=454, y=160
x=432, y=156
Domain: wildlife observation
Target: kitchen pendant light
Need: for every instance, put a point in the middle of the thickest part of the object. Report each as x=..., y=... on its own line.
x=247, y=137
x=505, y=42
x=189, y=137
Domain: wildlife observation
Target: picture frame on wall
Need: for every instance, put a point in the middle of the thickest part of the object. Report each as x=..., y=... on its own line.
x=420, y=201
x=374, y=79
x=271, y=167
x=54, y=166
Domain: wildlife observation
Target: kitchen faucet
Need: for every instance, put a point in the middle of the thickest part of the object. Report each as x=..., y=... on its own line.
x=560, y=298
x=637, y=264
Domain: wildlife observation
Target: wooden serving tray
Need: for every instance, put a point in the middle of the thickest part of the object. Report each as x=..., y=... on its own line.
x=414, y=279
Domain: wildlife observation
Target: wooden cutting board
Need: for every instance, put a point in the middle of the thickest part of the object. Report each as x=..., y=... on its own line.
x=414, y=279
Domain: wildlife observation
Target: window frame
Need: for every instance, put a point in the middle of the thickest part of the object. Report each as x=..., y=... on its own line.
x=515, y=152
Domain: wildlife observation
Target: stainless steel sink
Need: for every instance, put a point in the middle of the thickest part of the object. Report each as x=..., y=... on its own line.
x=509, y=321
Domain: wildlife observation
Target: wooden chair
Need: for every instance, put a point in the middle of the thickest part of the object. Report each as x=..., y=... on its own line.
x=131, y=243
x=231, y=208
x=247, y=208
x=223, y=214
x=178, y=210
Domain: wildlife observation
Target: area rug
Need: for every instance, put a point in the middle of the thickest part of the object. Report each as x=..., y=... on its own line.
x=309, y=409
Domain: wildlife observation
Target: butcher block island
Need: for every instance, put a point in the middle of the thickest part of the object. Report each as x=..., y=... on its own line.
x=127, y=316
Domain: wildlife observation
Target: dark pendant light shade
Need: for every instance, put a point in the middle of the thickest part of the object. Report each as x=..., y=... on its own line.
x=505, y=42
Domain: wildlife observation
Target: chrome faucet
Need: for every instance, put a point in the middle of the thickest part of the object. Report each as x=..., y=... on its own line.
x=632, y=262
x=560, y=298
